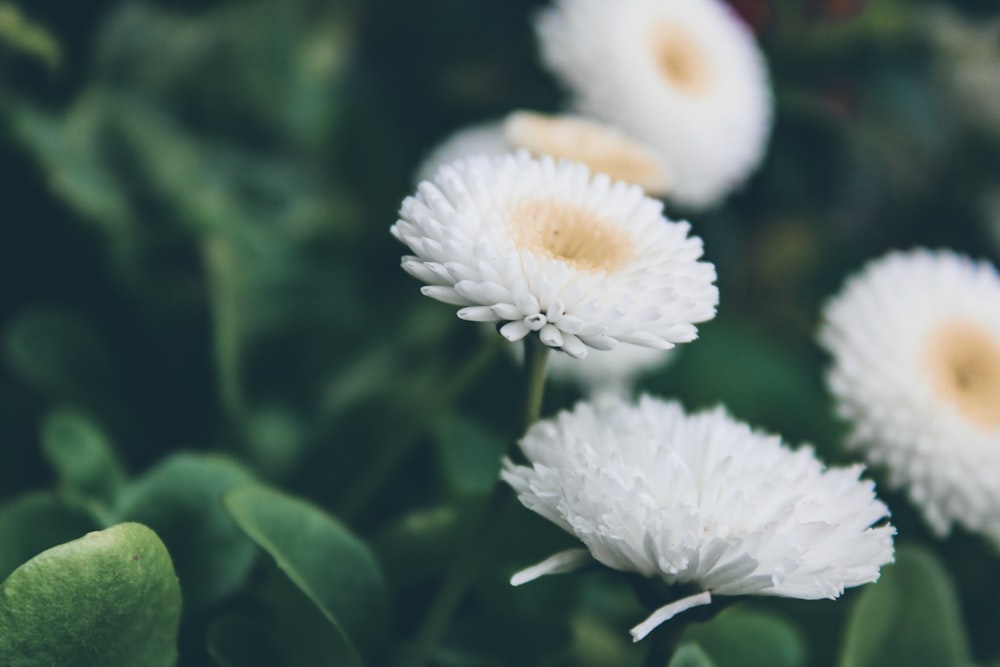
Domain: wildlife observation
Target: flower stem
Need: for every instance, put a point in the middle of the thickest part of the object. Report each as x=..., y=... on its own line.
x=472, y=557
x=360, y=493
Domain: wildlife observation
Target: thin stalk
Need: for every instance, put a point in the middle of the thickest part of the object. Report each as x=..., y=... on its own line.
x=472, y=557
x=360, y=493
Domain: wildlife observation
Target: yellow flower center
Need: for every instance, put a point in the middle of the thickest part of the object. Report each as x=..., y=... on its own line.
x=680, y=59
x=568, y=233
x=964, y=362
x=593, y=144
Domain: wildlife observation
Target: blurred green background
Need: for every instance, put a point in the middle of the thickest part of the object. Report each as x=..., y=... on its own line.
x=196, y=258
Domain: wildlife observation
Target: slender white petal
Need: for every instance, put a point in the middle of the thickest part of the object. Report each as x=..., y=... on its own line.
x=667, y=612
x=546, y=248
x=701, y=500
x=559, y=563
x=915, y=341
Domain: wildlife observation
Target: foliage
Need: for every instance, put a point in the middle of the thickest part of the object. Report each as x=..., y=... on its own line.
x=211, y=357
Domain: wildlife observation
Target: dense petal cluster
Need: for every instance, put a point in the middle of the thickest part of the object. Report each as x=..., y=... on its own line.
x=544, y=246
x=915, y=340
x=700, y=499
x=684, y=77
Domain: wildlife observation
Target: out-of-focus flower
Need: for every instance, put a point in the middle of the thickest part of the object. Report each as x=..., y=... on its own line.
x=544, y=246
x=700, y=500
x=611, y=372
x=967, y=65
x=915, y=340
x=604, y=149
x=684, y=77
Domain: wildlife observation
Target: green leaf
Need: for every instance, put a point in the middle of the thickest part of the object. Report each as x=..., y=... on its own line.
x=33, y=523
x=59, y=354
x=288, y=630
x=181, y=499
x=108, y=599
x=237, y=641
x=22, y=35
x=470, y=454
x=741, y=638
x=691, y=655
x=82, y=456
x=320, y=556
x=73, y=151
x=910, y=617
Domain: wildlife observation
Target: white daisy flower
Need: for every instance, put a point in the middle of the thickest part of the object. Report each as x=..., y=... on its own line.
x=481, y=139
x=540, y=246
x=611, y=372
x=684, y=77
x=967, y=64
x=604, y=149
x=700, y=500
x=915, y=340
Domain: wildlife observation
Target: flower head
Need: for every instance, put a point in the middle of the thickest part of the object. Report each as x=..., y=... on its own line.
x=684, y=77
x=915, y=340
x=701, y=500
x=966, y=64
x=540, y=246
x=602, y=148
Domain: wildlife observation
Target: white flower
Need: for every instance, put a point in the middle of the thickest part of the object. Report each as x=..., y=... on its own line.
x=915, y=340
x=701, y=500
x=611, y=372
x=682, y=76
x=967, y=64
x=544, y=247
x=482, y=139
x=604, y=149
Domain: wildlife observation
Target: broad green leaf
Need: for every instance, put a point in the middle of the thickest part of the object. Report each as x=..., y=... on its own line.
x=320, y=556
x=284, y=628
x=108, y=599
x=82, y=457
x=181, y=499
x=911, y=616
x=18, y=33
x=60, y=354
x=742, y=638
x=237, y=641
x=470, y=454
x=35, y=522
x=691, y=655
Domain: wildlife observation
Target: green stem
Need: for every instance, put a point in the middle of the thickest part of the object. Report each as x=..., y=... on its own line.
x=360, y=493
x=472, y=557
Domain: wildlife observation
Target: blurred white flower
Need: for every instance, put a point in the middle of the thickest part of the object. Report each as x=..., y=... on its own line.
x=482, y=139
x=915, y=340
x=612, y=371
x=701, y=500
x=684, y=77
x=545, y=247
x=967, y=64
x=604, y=149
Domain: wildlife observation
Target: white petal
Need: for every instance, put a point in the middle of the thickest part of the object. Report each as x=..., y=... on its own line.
x=559, y=563
x=667, y=612
x=514, y=331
